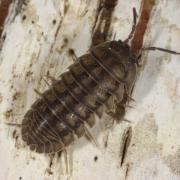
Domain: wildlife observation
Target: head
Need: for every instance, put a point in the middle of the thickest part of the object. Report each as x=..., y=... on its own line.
x=122, y=50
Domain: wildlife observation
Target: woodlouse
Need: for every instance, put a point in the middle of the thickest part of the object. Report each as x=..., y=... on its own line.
x=107, y=70
x=51, y=123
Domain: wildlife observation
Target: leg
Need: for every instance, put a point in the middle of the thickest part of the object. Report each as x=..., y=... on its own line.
x=133, y=27
x=120, y=109
x=73, y=54
x=90, y=137
x=14, y=124
x=118, y=113
x=51, y=158
x=38, y=93
x=66, y=159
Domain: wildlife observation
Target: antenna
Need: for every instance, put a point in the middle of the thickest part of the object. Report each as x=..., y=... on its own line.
x=133, y=26
x=152, y=48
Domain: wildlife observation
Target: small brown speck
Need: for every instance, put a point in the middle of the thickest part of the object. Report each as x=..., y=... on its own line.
x=48, y=73
x=49, y=171
x=95, y=158
x=8, y=113
x=16, y=95
x=24, y=17
x=29, y=73
x=65, y=40
x=54, y=21
x=4, y=37
x=71, y=52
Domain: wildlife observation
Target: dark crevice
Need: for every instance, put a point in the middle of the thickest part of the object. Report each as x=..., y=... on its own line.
x=102, y=23
x=125, y=144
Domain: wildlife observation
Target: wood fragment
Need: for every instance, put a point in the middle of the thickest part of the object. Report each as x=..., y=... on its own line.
x=137, y=41
x=4, y=8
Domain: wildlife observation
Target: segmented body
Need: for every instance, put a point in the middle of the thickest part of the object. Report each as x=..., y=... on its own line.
x=108, y=70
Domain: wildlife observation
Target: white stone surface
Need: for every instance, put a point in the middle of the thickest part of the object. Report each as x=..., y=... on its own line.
x=31, y=49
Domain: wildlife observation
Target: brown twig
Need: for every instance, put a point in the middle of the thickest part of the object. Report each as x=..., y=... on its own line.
x=4, y=8
x=137, y=41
